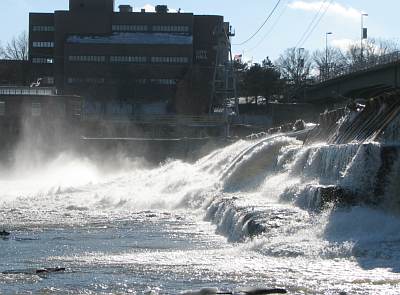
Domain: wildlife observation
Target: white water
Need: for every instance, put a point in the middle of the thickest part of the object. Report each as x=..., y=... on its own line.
x=141, y=228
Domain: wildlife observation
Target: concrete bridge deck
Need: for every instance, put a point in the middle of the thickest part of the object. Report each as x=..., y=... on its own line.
x=362, y=81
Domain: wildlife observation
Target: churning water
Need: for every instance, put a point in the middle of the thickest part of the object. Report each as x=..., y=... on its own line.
x=247, y=215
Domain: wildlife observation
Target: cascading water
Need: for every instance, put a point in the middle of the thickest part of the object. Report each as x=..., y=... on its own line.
x=270, y=212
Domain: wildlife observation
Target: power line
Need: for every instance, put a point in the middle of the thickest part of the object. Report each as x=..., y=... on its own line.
x=317, y=23
x=270, y=30
x=259, y=29
x=311, y=24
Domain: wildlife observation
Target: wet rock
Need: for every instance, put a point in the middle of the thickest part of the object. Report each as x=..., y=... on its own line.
x=50, y=270
x=253, y=228
x=4, y=233
x=336, y=195
x=35, y=271
x=299, y=125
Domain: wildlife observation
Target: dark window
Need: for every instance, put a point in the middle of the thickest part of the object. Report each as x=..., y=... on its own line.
x=2, y=108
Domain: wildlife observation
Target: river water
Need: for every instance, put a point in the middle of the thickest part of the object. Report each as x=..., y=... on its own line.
x=179, y=226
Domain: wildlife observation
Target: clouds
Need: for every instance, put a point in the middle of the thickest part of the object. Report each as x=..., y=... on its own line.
x=344, y=44
x=335, y=8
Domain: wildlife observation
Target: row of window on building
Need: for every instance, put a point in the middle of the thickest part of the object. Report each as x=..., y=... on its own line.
x=154, y=28
x=87, y=58
x=200, y=55
x=170, y=59
x=171, y=28
x=97, y=80
x=129, y=59
x=43, y=28
x=43, y=44
x=42, y=60
x=90, y=80
x=27, y=91
x=130, y=28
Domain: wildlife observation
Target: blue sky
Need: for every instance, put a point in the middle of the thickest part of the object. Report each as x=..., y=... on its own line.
x=284, y=30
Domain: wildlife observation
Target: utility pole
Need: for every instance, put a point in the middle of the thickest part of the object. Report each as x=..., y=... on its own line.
x=363, y=35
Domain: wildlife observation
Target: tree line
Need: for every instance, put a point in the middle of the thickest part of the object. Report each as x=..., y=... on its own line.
x=280, y=80
x=296, y=67
x=16, y=49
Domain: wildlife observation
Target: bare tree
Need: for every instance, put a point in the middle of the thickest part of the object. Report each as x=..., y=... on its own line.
x=2, y=55
x=295, y=65
x=371, y=51
x=329, y=61
x=17, y=48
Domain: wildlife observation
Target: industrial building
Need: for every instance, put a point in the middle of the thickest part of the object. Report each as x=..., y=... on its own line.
x=125, y=62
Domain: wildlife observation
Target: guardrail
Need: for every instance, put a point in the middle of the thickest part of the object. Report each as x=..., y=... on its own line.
x=361, y=66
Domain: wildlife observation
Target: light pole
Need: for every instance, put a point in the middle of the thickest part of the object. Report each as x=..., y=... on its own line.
x=326, y=54
x=362, y=34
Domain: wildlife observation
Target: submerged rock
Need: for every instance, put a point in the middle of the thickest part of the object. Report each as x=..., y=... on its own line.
x=35, y=271
x=4, y=233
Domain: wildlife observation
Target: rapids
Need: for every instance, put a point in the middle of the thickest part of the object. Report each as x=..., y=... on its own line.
x=254, y=213
x=313, y=212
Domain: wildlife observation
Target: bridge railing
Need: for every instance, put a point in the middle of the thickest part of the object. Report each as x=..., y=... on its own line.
x=366, y=64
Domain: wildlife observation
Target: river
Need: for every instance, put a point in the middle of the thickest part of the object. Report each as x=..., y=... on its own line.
x=245, y=215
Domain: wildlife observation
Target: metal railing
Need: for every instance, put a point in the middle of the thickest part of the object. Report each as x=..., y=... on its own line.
x=20, y=90
x=366, y=64
x=171, y=120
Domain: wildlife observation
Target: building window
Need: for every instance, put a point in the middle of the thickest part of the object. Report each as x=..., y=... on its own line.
x=90, y=80
x=163, y=81
x=170, y=59
x=43, y=44
x=2, y=108
x=76, y=109
x=48, y=80
x=128, y=59
x=36, y=109
x=42, y=60
x=171, y=29
x=87, y=58
x=130, y=28
x=43, y=28
x=201, y=54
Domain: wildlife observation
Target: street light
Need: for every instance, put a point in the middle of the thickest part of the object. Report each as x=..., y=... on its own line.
x=363, y=35
x=326, y=53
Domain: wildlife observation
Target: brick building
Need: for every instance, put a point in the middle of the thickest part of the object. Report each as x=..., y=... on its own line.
x=139, y=58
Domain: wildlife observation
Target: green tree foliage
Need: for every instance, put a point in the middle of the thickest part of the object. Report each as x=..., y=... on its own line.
x=261, y=80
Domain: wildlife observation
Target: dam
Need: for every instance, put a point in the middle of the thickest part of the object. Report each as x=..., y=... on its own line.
x=311, y=211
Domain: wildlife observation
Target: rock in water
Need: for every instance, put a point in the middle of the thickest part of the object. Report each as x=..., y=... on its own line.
x=4, y=233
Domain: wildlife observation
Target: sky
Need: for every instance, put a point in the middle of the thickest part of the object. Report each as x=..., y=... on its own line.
x=284, y=29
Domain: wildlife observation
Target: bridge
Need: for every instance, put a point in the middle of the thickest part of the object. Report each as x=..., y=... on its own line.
x=365, y=80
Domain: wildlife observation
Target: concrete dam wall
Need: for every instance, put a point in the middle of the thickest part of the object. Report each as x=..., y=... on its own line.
x=351, y=158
